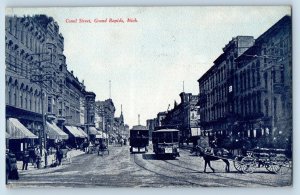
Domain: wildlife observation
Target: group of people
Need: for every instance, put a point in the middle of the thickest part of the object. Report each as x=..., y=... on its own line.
x=33, y=155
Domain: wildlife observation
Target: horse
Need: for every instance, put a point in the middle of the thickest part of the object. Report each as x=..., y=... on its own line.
x=208, y=156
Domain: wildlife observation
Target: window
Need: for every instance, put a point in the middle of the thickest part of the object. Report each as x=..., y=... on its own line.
x=267, y=107
x=282, y=73
x=266, y=80
x=21, y=98
x=49, y=105
x=275, y=109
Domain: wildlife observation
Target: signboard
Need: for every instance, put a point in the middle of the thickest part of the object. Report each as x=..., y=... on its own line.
x=195, y=131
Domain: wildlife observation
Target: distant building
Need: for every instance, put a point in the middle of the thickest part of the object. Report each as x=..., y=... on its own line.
x=184, y=116
x=151, y=124
x=160, y=117
x=107, y=113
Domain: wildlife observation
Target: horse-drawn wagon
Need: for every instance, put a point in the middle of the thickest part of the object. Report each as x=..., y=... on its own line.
x=272, y=159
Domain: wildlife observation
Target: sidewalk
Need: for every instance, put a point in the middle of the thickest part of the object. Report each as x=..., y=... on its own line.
x=51, y=158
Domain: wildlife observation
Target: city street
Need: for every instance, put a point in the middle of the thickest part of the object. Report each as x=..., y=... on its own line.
x=122, y=169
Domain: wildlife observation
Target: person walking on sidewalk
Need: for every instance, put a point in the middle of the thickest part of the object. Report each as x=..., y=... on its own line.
x=59, y=155
x=25, y=160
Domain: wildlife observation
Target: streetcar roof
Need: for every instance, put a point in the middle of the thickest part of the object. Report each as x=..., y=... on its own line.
x=139, y=127
x=166, y=130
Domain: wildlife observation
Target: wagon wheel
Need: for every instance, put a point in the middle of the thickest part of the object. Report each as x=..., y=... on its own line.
x=273, y=167
x=238, y=164
x=248, y=164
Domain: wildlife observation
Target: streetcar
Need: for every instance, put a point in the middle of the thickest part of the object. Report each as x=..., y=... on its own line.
x=166, y=143
x=139, y=139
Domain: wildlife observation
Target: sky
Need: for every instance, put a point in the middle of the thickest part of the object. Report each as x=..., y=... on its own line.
x=148, y=60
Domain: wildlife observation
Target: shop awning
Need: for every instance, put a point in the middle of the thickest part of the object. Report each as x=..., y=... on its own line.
x=54, y=132
x=7, y=136
x=75, y=131
x=93, y=131
x=17, y=130
x=82, y=132
x=100, y=135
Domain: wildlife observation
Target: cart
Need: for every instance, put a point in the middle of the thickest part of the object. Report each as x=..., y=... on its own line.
x=272, y=159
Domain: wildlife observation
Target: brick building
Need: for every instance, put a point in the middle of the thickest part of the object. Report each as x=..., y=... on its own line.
x=184, y=116
x=35, y=68
x=247, y=92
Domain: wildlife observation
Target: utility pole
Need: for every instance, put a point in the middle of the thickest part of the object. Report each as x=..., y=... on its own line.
x=39, y=79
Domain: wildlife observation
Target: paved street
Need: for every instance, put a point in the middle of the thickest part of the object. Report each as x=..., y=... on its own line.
x=122, y=169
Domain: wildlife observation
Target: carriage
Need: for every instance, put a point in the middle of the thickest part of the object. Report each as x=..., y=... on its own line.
x=166, y=143
x=139, y=139
x=273, y=160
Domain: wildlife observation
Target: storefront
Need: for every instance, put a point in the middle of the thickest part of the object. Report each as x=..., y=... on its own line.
x=19, y=137
x=76, y=136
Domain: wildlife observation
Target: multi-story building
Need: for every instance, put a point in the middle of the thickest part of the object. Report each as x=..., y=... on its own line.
x=248, y=94
x=184, y=116
x=35, y=68
x=216, y=105
x=151, y=124
x=107, y=113
x=263, y=85
x=160, y=117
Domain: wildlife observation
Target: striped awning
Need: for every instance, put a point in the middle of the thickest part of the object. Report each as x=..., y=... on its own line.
x=93, y=131
x=54, y=132
x=76, y=132
x=17, y=130
x=7, y=136
x=82, y=131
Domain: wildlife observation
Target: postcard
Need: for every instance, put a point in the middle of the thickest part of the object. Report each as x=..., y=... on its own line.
x=185, y=96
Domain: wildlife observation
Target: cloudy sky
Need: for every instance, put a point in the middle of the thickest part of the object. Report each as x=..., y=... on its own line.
x=147, y=61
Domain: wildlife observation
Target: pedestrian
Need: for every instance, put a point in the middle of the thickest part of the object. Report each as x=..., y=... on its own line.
x=59, y=155
x=25, y=160
x=32, y=157
x=13, y=169
x=38, y=157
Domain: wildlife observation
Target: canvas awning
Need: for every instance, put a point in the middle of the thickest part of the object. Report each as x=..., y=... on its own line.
x=17, y=130
x=54, y=132
x=100, y=135
x=7, y=136
x=82, y=132
x=75, y=132
x=93, y=131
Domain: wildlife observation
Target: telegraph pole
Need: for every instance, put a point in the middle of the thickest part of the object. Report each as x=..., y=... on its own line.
x=40, y=80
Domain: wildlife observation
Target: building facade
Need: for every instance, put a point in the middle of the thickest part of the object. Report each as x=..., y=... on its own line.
x=38, y=83
x=107, y=114
x=151, y=124
x=263, y=87
x=247, y=92
x=184, y=116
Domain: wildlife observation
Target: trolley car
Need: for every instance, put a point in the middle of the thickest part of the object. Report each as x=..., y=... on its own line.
x=166, y=143
x=139, y=139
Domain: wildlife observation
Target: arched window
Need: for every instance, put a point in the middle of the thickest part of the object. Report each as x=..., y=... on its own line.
x=258, y=73
x=21, y=97
x=267, y=107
